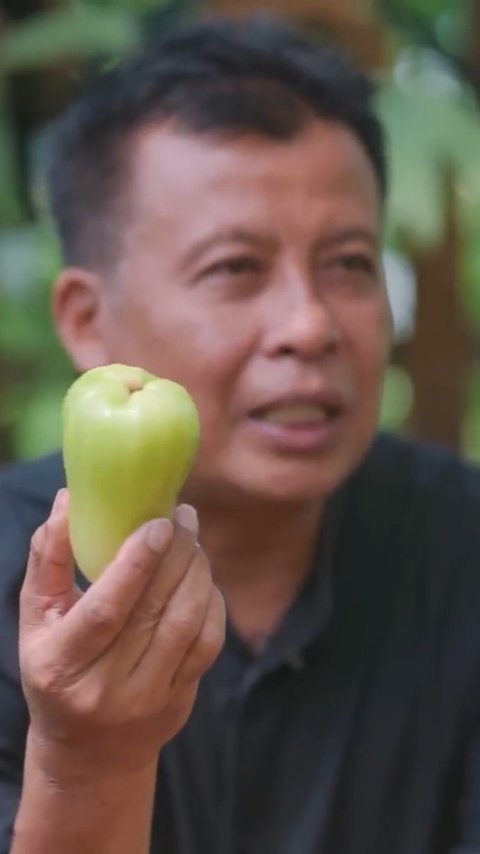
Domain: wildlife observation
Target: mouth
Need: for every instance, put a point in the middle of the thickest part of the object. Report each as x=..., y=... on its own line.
x=300, y=424
x=296, y=414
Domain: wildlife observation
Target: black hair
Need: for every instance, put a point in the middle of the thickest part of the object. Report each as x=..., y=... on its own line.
x=216, y=76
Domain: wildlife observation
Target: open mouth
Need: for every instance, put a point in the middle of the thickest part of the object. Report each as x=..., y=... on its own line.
x=297, y=414
x=298, y=426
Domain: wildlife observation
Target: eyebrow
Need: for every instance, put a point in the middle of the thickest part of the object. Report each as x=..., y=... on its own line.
x=241, y=235
x=347, y=235
x=231, y=235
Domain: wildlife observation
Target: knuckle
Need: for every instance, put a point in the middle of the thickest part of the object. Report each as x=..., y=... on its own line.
x=138, y=561
x=185, y=624
x=101, y=615
x=46, y=678
x=89, y=704
x=142, y=558
x=137, y=555
x=148, y=616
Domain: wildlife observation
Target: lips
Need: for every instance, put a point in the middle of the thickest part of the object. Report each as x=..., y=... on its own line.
x=300, y=423
x=294, y=414
x=301, y=409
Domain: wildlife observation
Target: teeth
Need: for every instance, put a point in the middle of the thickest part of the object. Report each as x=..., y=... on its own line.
x=300, y=413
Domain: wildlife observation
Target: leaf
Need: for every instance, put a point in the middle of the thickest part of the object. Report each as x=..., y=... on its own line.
x=429, y=126
x=76, y=32
x=415, y=204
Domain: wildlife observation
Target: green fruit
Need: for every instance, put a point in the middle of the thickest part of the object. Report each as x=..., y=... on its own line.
x=129, y=441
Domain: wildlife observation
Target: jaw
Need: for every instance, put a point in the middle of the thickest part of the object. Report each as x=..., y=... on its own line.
x=242, y=466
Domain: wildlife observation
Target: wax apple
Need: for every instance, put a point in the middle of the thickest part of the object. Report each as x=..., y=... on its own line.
x=129, y=441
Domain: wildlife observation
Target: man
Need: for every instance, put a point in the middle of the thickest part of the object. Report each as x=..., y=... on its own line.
x=220, y=201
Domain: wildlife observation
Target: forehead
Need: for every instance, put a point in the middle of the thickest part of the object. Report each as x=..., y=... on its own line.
x=323, y=172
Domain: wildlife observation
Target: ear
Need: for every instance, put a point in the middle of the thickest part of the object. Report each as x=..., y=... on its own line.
x=79, y=307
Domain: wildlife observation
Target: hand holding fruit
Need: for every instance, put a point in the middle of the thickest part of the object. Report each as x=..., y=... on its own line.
x=111, y=675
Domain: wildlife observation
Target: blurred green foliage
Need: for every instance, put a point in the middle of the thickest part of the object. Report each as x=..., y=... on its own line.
x=429, y=108
x=76, y=32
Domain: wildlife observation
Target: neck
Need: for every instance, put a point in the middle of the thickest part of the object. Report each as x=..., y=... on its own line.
x=260, y=555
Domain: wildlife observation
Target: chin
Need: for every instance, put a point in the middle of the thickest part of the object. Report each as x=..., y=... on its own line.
x=298, y=490
x=292, y=484
x=268, y=479
x=299, y=480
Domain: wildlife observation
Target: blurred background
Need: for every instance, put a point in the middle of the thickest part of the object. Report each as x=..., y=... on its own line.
x=425, y=57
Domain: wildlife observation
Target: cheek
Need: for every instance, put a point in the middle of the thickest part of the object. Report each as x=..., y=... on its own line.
x=203, y=350
x=213, y=368
x=370, y=345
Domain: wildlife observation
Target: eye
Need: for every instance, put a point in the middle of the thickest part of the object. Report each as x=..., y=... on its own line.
x=240, y=266
x=350, y=273
x=357, y=263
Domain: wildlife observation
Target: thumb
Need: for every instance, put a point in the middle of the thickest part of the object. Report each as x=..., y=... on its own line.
x=49, y=584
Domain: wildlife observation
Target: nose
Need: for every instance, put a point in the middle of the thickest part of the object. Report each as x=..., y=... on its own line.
x=302, y=325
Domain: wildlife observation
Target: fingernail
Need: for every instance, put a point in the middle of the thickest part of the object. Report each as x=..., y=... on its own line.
x=186, y=516
x=156, y=534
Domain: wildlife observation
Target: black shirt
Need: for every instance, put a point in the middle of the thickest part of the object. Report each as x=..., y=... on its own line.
x=357, y=730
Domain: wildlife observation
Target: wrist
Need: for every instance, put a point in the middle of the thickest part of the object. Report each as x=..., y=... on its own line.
x=76, y=808
x=66, y=768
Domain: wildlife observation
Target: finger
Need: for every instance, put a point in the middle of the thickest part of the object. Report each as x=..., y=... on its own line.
x=144, y=618
x=49, y=583
x=97, y=619
x=175, y=564
x=186, y=516
x=179, y=625
x=207, y=645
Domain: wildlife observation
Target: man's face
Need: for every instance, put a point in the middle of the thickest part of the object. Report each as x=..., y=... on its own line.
x=250, y=273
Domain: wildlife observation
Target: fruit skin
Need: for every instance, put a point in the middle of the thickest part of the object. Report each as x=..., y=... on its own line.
x=129, y=442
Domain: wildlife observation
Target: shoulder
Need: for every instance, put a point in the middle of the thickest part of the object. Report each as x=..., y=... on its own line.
x=395, y=464
x=412, y=521
x=400, y=475
x=412, y=515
